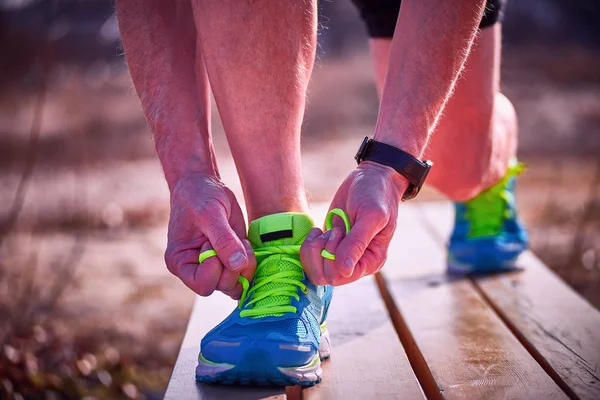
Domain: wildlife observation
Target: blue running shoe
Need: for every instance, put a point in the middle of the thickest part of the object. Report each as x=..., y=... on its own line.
x=277, y=335
x=488, y=235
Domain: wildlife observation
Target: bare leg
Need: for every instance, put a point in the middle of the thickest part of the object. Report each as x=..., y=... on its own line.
x=170, y=78
x=259, y=56
x=477, y=136
x=167, y=68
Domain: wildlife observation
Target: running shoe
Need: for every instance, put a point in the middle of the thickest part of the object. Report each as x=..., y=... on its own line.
x=277, y=335
x=488, y=236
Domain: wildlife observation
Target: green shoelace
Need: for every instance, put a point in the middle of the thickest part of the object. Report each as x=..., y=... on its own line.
x=271, y=294
x=487, y=211
x=279, y=297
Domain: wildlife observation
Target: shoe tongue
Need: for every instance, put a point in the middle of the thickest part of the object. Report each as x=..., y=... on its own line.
x=279, y=229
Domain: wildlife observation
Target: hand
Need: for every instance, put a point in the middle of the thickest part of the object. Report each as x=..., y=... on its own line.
x=370, y=196
x=205, y=215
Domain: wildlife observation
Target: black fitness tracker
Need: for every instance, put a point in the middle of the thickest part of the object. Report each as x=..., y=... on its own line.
x=406, y=165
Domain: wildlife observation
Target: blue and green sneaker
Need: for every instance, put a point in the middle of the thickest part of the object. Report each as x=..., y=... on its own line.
x=277, y=335
x=488, y=235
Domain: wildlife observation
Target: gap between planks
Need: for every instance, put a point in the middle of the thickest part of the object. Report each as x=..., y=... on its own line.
x=414, y=354
x=535, y=353
x=438, y=237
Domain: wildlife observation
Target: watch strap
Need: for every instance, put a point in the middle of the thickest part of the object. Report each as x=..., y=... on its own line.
x=413, y=169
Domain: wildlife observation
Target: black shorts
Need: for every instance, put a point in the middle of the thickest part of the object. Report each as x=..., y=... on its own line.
x=380, y=16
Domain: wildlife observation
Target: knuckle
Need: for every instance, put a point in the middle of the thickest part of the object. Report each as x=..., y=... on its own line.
x=170, y=260
x=392, y=225
x=336, y=281
x=224, y=241
x=207, y=209
x=317, y=278
x=357, y=246
x=313, y=246
x=381, y=219
x=378, y=212
x=234, y=294
x=322, y=282
x=204, y=290
x=378, y=265
x=382, y=259
x=227, y=286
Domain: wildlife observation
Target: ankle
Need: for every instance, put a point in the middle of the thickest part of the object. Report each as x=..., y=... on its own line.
x=263, y=207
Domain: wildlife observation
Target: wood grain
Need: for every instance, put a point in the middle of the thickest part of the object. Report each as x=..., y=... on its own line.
x=560, y=328
x=467, y=347
x=547, y=315
x=367, y=360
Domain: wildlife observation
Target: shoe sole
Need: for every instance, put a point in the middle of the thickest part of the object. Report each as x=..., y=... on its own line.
x=264, y=373
x=457, y=268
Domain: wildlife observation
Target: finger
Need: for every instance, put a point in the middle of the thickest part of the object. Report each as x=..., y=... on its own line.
x=353, y=246
x=337, y=221
x=373, y=258
x=247, y=272
x=225, y=241
x=310, y=255
x=201, y=278
x=235, y=294
x=331, y=273
x=228, y=281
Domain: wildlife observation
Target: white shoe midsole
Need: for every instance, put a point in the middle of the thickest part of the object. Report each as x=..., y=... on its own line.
x=312, y=371
x=325, y=346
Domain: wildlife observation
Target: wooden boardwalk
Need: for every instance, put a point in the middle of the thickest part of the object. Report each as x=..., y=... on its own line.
x=412, y=332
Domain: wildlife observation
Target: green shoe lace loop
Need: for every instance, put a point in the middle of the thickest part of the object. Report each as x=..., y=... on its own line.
x=329, y=225
x=206, y=254
x=288, y=282
x=488, y=211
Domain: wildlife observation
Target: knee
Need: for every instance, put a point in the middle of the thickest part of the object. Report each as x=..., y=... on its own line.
x=505, y=116
x=472, y=147
x=462, y=183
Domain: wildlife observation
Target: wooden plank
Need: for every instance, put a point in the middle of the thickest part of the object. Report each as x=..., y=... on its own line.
x=560, y=328
x=468, y=349
x=367, y=359
x=557, y=325
x=206, y=314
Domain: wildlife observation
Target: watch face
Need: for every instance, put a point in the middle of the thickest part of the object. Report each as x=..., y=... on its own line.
x=361, y=150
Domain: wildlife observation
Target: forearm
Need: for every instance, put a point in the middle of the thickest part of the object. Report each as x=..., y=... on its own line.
x=168, y=73
x=430, y=45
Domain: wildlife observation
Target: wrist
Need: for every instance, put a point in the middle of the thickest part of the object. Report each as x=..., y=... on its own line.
x=407, y=143
x=410, y=136
x=180, y=165
x=175, y=175
x=399, y=181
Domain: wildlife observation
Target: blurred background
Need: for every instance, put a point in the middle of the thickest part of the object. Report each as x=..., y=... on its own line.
x=87, y=307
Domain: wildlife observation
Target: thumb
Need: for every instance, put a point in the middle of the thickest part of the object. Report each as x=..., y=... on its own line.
x=354, y=245
x=225, y=241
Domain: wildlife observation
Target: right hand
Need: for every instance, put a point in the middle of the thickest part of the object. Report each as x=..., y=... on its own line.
x=205, y=215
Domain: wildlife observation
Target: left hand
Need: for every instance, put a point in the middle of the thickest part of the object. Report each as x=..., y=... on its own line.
x=370, y=196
